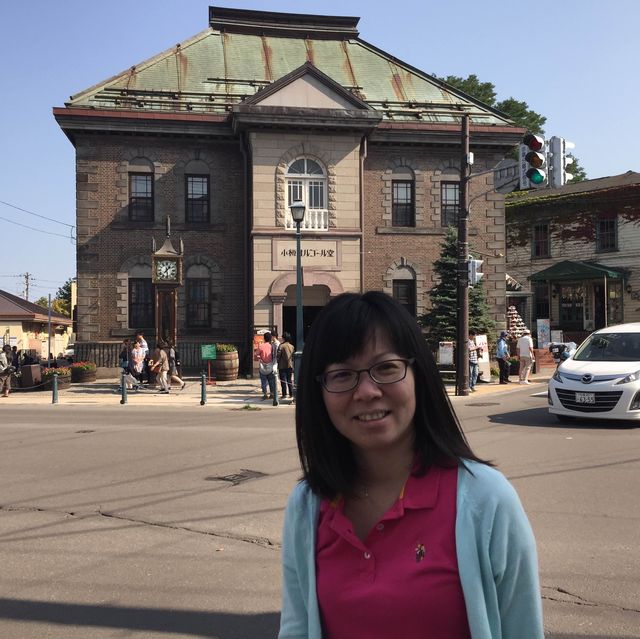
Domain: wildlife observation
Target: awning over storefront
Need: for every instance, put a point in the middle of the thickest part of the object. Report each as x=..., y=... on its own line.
x=570, y=270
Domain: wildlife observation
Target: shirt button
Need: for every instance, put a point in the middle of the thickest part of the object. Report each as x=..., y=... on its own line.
x=367, y=555
x=380, y=527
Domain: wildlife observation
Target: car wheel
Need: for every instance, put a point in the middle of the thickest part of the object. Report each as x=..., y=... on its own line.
x=565, y=419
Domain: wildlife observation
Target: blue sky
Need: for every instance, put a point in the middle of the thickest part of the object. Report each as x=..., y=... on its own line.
x=573, y=61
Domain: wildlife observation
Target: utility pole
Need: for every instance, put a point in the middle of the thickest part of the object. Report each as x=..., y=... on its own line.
x=27, y=277
x=462, y=350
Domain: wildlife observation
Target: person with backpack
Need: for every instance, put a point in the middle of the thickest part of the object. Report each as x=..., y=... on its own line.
x=268, y=367
x=174, y=362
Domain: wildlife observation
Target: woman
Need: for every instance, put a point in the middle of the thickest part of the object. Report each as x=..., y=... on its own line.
x=172, y=355
x=398, y=529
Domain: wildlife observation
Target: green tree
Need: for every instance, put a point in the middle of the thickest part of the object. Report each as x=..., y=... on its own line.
x=42, y=301
x=516, y=110
x=62, y=303
x=441, y=320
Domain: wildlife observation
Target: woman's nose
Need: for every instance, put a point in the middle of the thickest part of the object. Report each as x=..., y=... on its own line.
x=366, y=387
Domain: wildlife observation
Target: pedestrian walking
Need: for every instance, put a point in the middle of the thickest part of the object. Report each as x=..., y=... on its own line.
x=174, y=362
x=474, y=350
x=525, y=352
x=502, y=357
x=285, y=365
x=397, y=529
x=6, y=370
x=160, y=366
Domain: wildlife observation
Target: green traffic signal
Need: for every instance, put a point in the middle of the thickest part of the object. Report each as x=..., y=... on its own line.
x=536, y=176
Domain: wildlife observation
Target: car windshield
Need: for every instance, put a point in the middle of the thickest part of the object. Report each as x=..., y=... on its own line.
x=610, y=347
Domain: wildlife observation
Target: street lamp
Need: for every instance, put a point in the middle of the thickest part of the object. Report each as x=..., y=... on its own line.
x=297, y=213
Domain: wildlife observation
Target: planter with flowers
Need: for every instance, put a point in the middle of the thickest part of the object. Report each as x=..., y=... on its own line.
x=64, y=378
x=83, y=372
x=227, y=362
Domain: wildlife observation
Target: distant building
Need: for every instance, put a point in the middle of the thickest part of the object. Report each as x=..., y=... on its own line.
x=25, y=325
x=574, y=253
x=224, y=131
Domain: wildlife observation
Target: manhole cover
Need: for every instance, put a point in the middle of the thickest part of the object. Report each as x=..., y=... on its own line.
x=237, y=478
x=85, y=431
x=485, y=404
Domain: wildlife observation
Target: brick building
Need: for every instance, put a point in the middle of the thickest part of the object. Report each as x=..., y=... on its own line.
x=224, y=131
x=573, y=254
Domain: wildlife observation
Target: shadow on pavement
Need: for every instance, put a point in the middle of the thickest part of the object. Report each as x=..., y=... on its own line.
x=541, y=418
x=218, y=625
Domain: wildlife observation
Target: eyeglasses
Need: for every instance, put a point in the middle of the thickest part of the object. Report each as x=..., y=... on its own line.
x=342, y=380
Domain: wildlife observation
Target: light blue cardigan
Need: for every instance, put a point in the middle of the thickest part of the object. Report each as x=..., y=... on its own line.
x=496, y=553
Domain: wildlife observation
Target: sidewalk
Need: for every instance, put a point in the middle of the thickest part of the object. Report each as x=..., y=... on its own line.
x=238, y=393
x=105, y=392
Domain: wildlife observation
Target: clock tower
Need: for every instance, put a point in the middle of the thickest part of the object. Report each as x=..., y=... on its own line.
x=167, y=276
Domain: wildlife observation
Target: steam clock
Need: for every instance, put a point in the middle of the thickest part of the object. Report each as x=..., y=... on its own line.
x=167, y=276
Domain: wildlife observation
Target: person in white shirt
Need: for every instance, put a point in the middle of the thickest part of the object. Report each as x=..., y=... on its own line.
x=525, y=351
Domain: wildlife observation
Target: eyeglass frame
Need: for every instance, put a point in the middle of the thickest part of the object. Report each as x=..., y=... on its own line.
x=406, y=362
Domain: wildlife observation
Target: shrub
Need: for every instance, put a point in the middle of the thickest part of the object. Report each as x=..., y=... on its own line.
x=48, y=373
x=226, y=348
x=83, y=366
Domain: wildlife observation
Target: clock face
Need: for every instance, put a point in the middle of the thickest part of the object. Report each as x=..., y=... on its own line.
x=166, y=270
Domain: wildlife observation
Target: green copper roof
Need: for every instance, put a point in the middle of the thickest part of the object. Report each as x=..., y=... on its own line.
x=217, y=69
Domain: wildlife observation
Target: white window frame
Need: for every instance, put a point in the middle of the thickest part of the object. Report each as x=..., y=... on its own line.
x=309, y=187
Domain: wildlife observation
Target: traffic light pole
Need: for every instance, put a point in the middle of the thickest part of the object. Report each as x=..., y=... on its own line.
x=462, y=350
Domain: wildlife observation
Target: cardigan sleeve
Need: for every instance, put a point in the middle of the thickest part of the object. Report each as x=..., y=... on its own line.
x=497, y=558
x=512, y=551
x=300, y=615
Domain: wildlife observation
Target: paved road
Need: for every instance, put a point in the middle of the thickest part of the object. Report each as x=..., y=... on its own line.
x=142, y=520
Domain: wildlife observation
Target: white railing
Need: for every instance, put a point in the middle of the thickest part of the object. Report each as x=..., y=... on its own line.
x=314, y=220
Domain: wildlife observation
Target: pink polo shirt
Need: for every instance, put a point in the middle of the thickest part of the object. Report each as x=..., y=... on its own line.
x=402, y=581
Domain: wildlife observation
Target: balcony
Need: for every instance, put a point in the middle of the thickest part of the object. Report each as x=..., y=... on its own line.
x=314, y=220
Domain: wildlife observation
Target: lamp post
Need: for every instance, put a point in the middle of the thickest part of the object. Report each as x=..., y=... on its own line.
x=297, y=213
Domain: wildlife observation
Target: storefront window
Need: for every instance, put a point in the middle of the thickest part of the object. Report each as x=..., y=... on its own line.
x=614, y=303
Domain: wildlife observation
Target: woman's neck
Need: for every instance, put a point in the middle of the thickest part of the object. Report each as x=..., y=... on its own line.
x=376, y=467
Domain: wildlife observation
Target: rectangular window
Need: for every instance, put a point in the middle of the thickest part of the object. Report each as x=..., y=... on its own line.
x=404, y=291
x=571, y=306
x=402, y=205
x=607, y=232
x=198, y=303
x=141, y=303
x=541, y=245
x=197, y=199
x=316, y=194
x=141, y=197
x=450, y=203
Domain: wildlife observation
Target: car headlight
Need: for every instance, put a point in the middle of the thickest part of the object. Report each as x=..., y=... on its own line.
x=632, y=377
x=557, y=376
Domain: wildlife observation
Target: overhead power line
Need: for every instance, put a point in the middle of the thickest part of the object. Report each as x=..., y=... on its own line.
x=31, y=228
x=44, y=217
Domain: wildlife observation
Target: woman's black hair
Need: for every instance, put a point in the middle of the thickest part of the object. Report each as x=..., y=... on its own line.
x=340, y=331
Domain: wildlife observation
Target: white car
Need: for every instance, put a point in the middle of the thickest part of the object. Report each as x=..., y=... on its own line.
x=601, y=379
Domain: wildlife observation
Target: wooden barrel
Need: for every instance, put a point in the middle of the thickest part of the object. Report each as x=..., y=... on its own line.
x=227, y=365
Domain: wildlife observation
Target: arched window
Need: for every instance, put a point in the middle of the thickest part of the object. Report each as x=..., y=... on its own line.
x=307, y=183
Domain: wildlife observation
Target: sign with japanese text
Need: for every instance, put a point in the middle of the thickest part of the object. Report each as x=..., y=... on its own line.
x=317, y=253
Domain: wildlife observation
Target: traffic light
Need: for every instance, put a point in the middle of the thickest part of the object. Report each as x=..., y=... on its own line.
x=560, y=161
x=475, y=274
x=533, y=161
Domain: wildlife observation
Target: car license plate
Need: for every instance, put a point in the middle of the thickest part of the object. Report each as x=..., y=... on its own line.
x=585, y=398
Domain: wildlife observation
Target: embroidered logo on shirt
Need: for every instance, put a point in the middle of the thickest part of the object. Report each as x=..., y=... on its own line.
x=419, y=553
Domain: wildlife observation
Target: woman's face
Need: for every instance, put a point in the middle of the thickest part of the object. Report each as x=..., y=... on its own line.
x=374, y=416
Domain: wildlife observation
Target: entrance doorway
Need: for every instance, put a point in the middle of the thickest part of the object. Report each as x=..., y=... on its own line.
x=309, y=314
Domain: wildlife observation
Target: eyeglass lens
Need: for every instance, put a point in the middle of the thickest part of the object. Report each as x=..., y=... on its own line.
x=387, y=372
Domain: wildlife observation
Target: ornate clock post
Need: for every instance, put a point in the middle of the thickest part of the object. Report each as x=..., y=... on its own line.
x=167, y=276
